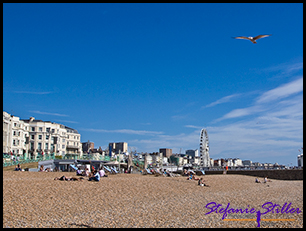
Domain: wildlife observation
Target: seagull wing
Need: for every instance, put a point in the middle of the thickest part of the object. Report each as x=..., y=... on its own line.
x=262, y=36
x=241, y=37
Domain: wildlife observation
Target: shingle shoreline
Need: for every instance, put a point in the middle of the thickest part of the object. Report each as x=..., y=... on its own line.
x=34, y=199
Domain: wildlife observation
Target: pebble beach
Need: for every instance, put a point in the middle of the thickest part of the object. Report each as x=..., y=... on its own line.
x=35, y=199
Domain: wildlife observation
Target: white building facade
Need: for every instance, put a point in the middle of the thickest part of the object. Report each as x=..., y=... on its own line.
x=15, y=133
x=7, y=132
x=36, y=137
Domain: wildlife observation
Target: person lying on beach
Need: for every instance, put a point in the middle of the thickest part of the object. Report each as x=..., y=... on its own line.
x=257, y=181
x=201, y=183
x=64, y=178
x=192, y=177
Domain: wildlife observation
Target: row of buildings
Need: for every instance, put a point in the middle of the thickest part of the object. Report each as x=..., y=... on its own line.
x=31, y=137
x=192, y=158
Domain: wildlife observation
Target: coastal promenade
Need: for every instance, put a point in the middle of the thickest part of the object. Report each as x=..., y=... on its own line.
x=34, y=199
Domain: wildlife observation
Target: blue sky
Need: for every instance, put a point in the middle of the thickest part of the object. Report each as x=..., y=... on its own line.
x=154, y=75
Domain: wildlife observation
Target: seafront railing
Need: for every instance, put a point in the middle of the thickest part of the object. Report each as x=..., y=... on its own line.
x=8, y=161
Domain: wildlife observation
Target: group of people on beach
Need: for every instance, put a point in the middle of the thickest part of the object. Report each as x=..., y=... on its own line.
x=265, y=180
x=191, y=176
x=95, y=175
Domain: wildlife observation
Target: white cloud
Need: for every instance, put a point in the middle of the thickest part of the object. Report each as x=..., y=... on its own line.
x=222, y=100
x=240, y=112
x=48, y=113
x=192, y=126
x=285, y=69
x=271, y=96
x=33, y=92
x=125, y=131
x=283, y=91
x=68, y=121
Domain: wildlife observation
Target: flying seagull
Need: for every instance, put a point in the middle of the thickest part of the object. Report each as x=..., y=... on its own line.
x=253, y=39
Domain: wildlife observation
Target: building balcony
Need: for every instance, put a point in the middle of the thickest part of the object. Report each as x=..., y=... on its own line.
x=72, y=146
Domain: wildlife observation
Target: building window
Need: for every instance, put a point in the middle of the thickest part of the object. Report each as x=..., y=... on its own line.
x=47, y=137
x=47, y=146
x=39, y=137
x=39, y=146
x=15, y=124
x=32, y=146
x=63, y=146
x=32, y=137
x=63, y=140
x=14, y=133
x=40, y=129
x=14, y=142
x=33, y=129
x=47, y=129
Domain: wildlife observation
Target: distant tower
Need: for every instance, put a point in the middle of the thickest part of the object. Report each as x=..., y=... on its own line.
x=204, y=149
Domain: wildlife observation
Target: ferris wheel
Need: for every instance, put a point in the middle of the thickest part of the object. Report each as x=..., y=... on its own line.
x=204, y=149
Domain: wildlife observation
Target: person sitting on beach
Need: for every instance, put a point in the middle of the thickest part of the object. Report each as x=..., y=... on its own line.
x=64, y=178
x=41, y=169
x=96, y=176
x=79, y=172
x=17, y=168
x=257, y=181
x=102, y=172
x=86, y=172
x=266, y=180
x=201, y=183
